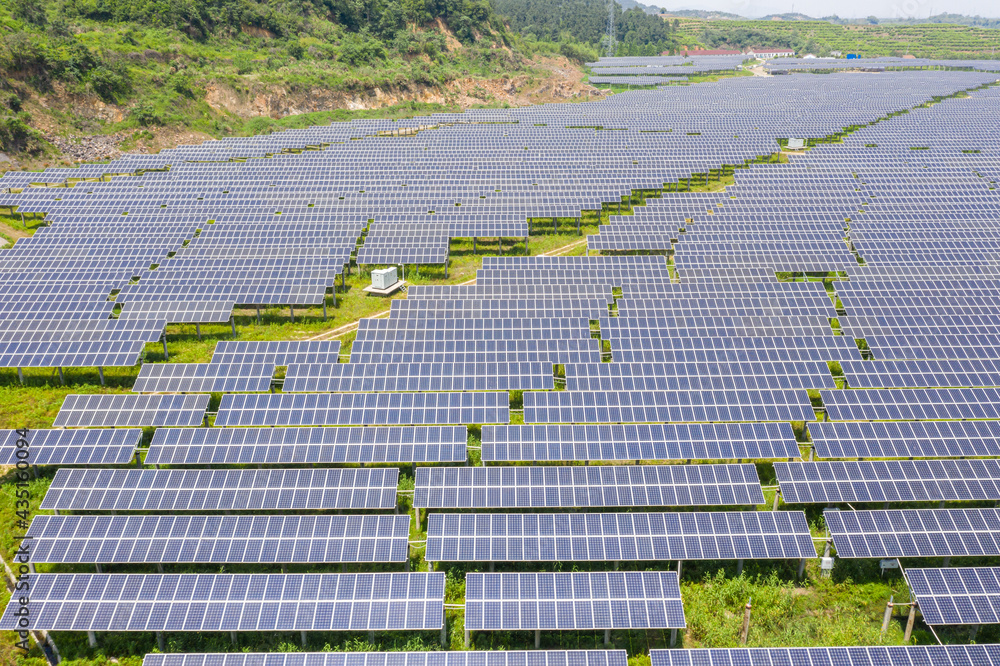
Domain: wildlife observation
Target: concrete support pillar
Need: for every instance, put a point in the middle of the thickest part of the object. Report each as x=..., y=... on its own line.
x=538, y=638
x=100, y=374
x=910, y=618
x=62, y=378
x=673, y=638
x=305, y=639
x=739, y=567
x=166, y=356
x=197, y=329
x=802, y=568
x=160, y=643
x=232, y=322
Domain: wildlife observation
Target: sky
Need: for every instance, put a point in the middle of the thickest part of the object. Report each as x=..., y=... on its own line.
x=842, y=8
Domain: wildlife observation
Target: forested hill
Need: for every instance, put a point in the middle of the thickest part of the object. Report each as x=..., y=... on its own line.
x=638, y=32
x=137, y=74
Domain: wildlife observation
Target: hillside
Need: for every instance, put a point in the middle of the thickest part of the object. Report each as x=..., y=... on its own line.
x=83, y=80
x=820, y=37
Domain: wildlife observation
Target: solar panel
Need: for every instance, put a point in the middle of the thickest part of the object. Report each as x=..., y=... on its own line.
x=233, y=602
x=927, y=373
x=666, y=441
x=71, y=447
x=203, y=377
x=281, y=446
x=888, y=481
x=458, y=376
x=178, y=312
x=697, y=376
x=662, y=406
x=584, y=600
x=117, y=410
x=915, y=532
x=912, y=404
x=906, y=439
x=598, y=486
x=222, y=490
x=605, y=537
x=362, y=409
x=894, y=655
x=219, y=539
x=497, y=658
x=956, y=595
x=278, y=352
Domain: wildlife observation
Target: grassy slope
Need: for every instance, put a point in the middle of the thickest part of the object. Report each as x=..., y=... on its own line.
x=928, y=40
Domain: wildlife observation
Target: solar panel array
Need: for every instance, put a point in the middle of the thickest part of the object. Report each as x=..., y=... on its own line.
x=958, y=595
x=222, y=490
x=71, y=447
x=600, y=486
x=594, y=600
x=891, y=655
x=234, y=602
x=702, y=347
x=915, y=532
x=533, y=537
x=497, y=658
x=209, y=539
x=282, y=446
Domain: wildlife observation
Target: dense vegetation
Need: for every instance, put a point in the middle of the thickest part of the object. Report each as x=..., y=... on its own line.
x=156, y=61
x=639, y=33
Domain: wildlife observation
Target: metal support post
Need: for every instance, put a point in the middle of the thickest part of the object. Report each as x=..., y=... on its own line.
x=291, y=312
x=284, y=568
x=538, y=638
x=232, y=322
x=20, y=375
x=166, y=356
x=97, y=566
x=62, y=379
x=416, y=511
x=946, y=562
x=100, y=373
x=258, y=316
x=159, y=567
x=473, y=246
x=444, y=629
x=324, y=308
x=492, y=564
x=673, y=638
x=305, y=639
x=607, y=636
x=468, y=638
x=679, y=564
x=160, y=643
x=802, y=568
x=777, y=496
x=197, y=329
x=739, y=567
x=92, y=639
x=446, y=269
x=973, y=630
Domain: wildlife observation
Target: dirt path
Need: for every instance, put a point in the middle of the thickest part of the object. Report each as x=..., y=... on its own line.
x=11, y=233
x=353, y=326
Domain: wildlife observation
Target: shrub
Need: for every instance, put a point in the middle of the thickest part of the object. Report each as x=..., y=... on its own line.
x=144, y=114
x=358, y=49
x=111, y=83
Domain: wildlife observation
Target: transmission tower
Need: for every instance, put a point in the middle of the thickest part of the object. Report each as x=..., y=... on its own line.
x=611, y=37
